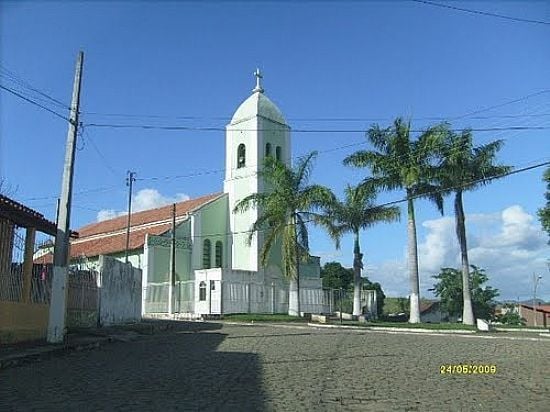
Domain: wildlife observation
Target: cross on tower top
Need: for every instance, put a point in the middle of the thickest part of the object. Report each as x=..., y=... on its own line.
x=258, y=87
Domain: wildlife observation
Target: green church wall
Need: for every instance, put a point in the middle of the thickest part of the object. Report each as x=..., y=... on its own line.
x=214, y=227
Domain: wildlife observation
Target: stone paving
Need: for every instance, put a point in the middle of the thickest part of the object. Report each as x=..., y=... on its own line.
x=247, y=368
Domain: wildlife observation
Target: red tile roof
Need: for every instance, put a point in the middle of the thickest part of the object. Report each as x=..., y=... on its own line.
x=109, y=236
x=25, y=216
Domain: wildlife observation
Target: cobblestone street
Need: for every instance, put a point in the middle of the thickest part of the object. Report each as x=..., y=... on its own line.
x=211, y=366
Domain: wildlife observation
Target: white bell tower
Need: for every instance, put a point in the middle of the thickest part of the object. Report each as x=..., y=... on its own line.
x=257, y=129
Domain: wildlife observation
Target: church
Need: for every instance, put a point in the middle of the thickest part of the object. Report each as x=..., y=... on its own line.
x=217, y=271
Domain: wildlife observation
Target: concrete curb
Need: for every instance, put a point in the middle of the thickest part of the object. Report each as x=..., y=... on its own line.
x=93, y=339
x=37, y=354
x=519, y=330
x=395, y=331
x=390, y=329
x=351, y=327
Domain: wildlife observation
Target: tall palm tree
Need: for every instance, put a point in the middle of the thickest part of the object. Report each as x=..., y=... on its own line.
x=358, y=211
x=399, y=163
x=284, y=211
x=464, y=168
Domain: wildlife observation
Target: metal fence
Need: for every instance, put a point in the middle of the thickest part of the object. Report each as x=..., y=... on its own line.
x=235, y=297
x=12, y=251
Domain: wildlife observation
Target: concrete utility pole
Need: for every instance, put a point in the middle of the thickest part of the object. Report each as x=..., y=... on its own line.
x=535, y=283
x=129, y=182
x=172, y=263
x=56, y=320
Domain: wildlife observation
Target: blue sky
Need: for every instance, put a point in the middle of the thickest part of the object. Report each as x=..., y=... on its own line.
x=369, y=61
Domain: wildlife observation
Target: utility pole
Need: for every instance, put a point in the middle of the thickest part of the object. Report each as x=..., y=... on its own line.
x=129, y=182
x=56, y=320
x=172, y=263
x=535, y=283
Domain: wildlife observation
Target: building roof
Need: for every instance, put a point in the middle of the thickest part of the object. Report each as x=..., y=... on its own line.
x=24, y=216
x=258, y=104
x=46, y=259
x=428, y=306
x=540, y=308
x=109, y=236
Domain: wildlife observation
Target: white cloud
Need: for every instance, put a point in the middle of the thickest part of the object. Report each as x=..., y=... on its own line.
x=106, y=214
x=144, y=199
x=509, y=245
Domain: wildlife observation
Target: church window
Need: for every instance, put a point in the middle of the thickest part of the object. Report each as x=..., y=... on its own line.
x=206, y=250
x=267, y=149
x=241, y=156
x=219, y=254
x=202, y=291
x=278, y=153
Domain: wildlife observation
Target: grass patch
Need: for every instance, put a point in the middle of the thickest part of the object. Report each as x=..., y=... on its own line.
x=255, y=317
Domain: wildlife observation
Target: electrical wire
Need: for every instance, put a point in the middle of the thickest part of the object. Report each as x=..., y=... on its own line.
x=483, y=13
x=222, y=129
x=22, y=82
x=405, y=199
x=33, y=102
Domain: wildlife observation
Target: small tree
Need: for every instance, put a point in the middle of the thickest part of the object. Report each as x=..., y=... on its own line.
x=285, y=210
x=335, y=276
x=510, y=317
x=449, y=289
x=544, y=212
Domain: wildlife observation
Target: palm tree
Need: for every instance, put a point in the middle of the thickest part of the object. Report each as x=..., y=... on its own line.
x=464, y=168
x=399, y=163
x=284, y=211
x=358, y=211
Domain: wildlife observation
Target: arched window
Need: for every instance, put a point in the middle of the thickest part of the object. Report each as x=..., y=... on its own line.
x=267, y=149
x=206, y=250
x=202, y=291
x=278, y=153
x=241, y=156
x=219, y=254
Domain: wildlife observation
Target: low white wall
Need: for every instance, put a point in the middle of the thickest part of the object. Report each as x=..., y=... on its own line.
x=120, y=292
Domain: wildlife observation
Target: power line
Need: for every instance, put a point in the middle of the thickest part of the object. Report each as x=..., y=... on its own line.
x=222, y=129
x=344, y=119
x=442, y=190
x=466, y=184
x=99, y=153
x=33, y=102
x=82, y=192
x=338, y=119
x=483, y=13
x=17, y=79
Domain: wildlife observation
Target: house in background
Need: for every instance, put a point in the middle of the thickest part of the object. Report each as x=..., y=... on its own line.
x=24, y=303
x=541, y=312
x=430, y=312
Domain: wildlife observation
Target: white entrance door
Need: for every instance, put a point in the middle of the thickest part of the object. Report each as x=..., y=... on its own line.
x=215, y=297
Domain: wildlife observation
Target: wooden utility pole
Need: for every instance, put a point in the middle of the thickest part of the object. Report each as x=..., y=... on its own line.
x=129, y=182
x=56, y=321
x=172, y=283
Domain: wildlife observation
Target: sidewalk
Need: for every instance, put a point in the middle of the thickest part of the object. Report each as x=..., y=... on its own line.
x=83, y=339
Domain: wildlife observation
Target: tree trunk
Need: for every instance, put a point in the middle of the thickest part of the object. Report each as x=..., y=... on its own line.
x=297, y=297
x=293, y=301
x=357, y=266
x=467, y=311
x=414, y=307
